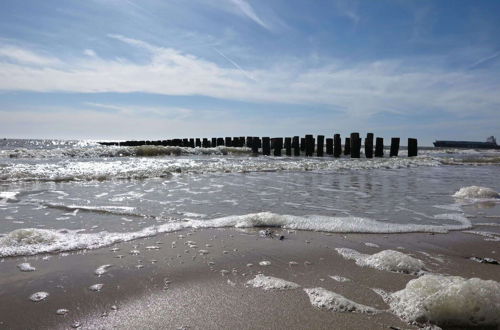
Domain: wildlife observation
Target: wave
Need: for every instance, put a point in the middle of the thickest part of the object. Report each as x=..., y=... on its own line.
x=98, y=151
x=141, y=168
x=31, y=241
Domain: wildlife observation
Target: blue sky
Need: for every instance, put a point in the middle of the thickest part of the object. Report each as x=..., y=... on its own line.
x=130, y=69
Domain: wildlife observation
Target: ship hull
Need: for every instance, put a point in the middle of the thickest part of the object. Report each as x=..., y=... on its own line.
x=466, y=144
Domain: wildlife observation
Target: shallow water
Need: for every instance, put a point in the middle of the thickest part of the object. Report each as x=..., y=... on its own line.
x=75, y=188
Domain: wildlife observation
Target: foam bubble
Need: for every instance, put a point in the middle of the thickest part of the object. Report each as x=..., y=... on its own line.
x=26, y=267
x=265, y=263
x=96, y=287
x=475, y=192
x=39, y=296
x=8, y=195
x=322, y=298
x=101, y=270
x=62, y=311
x=339, y=278
x=388, y=260
x=271, y=283
x=449, y=301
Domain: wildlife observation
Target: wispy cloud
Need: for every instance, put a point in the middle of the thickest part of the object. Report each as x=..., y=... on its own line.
x=349, y=9
x=361, y=89
x=25, y=56
x=248, y=11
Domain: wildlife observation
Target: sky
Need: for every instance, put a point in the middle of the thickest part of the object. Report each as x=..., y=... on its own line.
x=158, y=69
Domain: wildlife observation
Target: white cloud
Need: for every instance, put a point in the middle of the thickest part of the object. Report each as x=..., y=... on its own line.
x=360, y=90
x=89, y=52
x=248, y=11
x=25, y=56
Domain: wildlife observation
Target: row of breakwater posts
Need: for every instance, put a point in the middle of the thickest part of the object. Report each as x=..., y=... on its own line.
x=296, y=146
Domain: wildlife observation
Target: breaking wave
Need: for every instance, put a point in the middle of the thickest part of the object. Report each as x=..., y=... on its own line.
x=141, y=168
x=30, y=241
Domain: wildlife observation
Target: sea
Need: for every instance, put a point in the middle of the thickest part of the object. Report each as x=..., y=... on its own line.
x=60, y=195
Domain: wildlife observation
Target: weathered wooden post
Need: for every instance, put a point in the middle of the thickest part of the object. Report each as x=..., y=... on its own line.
x=255, y=144
x=228, y=142
x=412, y=147
x=394, y=147
x=309, y=145
x=198, y=142
x=369, y=145
x=329, y=146
x=191, y=143
x=249, y=141
x=266, y=146
x=220, y=142
x=379, y=147
x=296, y=146
x=214, y=142
x=302, y=144
x=320, y=145
x=337, y=145
x=288, y=146
x=355, y=145
x=347, y=146
x=278, y=146
x=204, y=143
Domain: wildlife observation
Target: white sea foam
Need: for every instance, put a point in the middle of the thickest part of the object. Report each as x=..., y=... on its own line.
x=322, y=298
x=96, y=287
x=388, y=260
x=26, y=267
x=339, y=278
x=101, y=270
x=476, y=192
x=8, y=195
x=130, y=168
x=271, y=283
x=449, y=301
x=39, y=296
x=30, y=241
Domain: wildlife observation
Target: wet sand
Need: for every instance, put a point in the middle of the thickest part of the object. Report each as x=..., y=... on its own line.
x=177, y=287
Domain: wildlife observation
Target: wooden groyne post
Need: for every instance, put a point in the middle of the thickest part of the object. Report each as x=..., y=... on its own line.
x=347, y=146
x=266, y=146
x=296, y=146
x=288, y=146
x=369, y=145
x=394, y=147
x=329, y=146
x=337, y=146
x=379, y=147
x=412, y=147
x=309, y=145
x=355, y=145
x=320, y=145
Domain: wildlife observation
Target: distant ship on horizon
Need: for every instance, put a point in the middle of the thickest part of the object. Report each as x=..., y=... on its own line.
x=490, y=143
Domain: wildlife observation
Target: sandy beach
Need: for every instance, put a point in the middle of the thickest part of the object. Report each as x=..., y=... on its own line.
x=197, y=279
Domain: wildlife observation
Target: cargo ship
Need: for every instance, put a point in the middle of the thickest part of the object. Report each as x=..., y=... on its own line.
x=490, y=143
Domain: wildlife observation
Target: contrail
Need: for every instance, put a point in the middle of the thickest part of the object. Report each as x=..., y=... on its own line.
x=485, y=59
x=235, y=65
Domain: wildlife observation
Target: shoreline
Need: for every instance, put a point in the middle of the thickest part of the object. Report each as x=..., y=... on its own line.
x=180, y=286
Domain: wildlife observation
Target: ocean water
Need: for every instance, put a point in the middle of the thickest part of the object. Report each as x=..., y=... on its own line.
x=70, y=195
